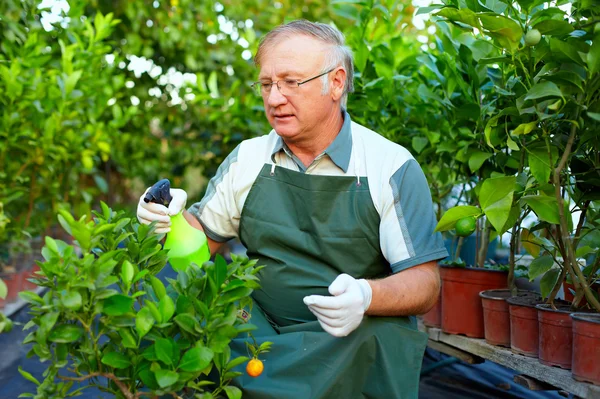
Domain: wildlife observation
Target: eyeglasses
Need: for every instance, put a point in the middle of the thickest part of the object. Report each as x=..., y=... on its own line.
x=287, y=87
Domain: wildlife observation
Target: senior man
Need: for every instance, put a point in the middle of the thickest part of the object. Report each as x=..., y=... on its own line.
x=341, y=217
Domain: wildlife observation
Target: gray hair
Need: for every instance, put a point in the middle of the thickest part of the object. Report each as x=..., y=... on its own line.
x=341, y=55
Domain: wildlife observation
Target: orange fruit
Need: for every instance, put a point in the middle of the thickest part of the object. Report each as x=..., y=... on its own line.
x=465, y=226
x=255, y=368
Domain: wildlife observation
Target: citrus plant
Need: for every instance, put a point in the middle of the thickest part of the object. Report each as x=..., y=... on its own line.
x=108, y=321
x=536, y=140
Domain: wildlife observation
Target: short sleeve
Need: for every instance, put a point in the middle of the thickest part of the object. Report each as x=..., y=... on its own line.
x=408, y=220
x=218, y=211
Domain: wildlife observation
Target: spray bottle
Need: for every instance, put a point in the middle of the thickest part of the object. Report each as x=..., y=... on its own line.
x=186, y=244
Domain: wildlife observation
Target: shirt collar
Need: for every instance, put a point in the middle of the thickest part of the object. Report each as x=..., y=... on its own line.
x=339, y=150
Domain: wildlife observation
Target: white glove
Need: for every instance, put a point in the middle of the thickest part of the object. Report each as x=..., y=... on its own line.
x=343, y=312
x=149, y=212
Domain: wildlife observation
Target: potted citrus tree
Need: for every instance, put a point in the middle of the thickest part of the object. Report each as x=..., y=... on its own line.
x=107, y=321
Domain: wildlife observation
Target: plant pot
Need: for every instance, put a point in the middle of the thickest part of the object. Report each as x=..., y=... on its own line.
x=567, y=287
x=556, y=335
x=462, y=312
x=14, y=284
x=524, y=325
x=433, y=318
x=496, y=317
x=586, y=347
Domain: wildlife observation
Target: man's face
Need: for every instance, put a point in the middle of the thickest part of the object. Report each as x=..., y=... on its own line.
x=298, y=115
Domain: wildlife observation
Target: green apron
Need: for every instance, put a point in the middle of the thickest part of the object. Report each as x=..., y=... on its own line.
x=307, y=229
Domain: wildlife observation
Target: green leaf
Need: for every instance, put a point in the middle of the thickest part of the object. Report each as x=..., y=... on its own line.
x=165, y=378
x=116, y=360
x=233, y=392
x=196, y=359
x=544, y=89
x=118, y=305
x=593, y=56
x=452, y=215
x=594, y=115
x=65, y=333
x=186, y=321
x=540, y=266
x=28, y=376
x=419, y=143
x=127, y=272
x=477, y=159
x=27, y=296
x=495, y=198
x=154, y=310
x=164, y=350
x=158, y=287
x=464, y=15
x=166, y=308
x=72, y=300
x=563, y=51
x=127, y=338
x=501, y=25
x=144, y=322
x=236, y=362
x=525, y=128
x=3, y=289
x=539, y=162
x=584, y=251
x=220, y=270
x=554, y=27
x=544, y=207
x=548, y=282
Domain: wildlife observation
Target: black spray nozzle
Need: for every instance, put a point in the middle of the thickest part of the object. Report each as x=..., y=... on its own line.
x=159, y=193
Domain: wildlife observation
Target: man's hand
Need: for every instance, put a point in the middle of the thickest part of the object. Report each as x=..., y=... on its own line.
x=149, y=212
x=343, y=312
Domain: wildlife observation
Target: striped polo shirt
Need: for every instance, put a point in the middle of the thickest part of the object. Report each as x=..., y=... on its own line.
x=397, y=185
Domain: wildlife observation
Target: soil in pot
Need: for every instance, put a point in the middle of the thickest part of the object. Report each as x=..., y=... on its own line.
x=524, y=325
x=586, y=347
x=556, y=335
x=462, y=312
x=496, y=316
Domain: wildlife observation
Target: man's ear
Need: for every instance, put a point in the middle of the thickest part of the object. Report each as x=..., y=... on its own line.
x=338, y=82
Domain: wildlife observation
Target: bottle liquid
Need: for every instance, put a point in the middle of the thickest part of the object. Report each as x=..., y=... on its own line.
x=186, y=244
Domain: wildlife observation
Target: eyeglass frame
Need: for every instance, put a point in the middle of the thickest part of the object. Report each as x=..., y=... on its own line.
x=276, y=83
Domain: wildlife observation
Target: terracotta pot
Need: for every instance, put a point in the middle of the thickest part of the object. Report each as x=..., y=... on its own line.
x=433, y=318
x=567, y=287
x=524, y=325
x=462, y=312
x=496, y=318
x=556, y=335
x=14, y=284
x=586, y=347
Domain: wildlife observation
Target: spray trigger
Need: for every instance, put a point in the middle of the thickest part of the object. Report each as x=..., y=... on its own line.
x=159, y=193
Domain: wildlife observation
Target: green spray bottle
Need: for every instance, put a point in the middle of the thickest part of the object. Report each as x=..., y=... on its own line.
x=186, y=244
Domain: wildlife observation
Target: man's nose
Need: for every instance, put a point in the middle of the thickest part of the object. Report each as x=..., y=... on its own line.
x=275, y=97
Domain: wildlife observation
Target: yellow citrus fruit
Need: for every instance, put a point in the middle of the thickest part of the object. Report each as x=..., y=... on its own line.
x=255, y=368
x=533, y=37
x=465, y=226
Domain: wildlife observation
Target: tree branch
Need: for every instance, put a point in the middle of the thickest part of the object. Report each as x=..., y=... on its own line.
x=110, y=376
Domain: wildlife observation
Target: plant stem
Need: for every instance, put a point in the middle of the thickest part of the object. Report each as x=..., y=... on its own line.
x=110, y=376
x=570, y=261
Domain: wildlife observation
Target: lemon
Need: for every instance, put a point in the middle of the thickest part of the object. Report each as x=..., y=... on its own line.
x=533, y=37
x=465, y=226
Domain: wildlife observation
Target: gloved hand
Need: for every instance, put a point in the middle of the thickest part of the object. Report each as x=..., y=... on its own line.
x=149, y=212
x=343, y=312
